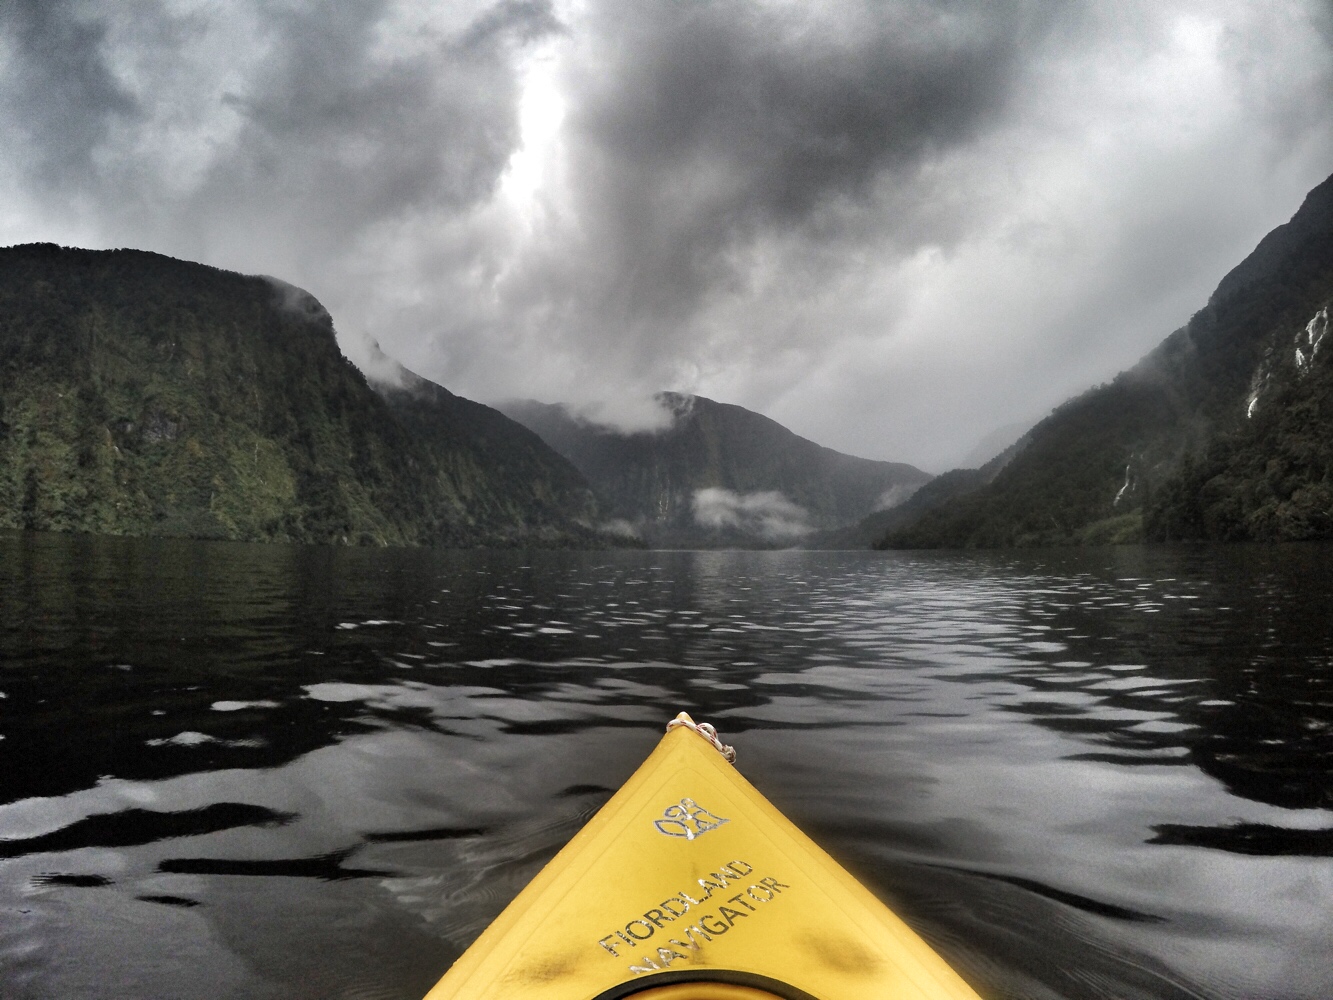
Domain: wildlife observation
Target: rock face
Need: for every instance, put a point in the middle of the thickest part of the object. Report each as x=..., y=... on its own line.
x=1223, y=432
x=717, y=474
x=141, y=395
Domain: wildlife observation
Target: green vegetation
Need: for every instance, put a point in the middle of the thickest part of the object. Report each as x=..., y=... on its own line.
x=141, y=395
x=1173, y=449
x=1271, y=479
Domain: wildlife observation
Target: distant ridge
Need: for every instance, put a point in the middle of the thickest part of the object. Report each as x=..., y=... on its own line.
x=943, y=489
x=1223, y=432
x=718, y=474
x=141, y=395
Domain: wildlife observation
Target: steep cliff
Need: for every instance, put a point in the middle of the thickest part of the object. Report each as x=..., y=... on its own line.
x=142, y=395
x=1224, y=431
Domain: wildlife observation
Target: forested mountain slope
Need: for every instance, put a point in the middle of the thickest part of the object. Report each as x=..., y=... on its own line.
x=719, y=474
x=1224, y=431
x=142, y=395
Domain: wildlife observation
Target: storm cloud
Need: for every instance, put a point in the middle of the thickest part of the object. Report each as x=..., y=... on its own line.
x=893, y=226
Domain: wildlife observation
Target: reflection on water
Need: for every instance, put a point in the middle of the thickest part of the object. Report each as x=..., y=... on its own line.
x=243, y=771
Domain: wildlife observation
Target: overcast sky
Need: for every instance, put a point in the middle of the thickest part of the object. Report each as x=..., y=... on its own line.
x=892, y=226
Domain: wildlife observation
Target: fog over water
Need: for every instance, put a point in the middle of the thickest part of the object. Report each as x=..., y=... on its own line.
x=246, y=771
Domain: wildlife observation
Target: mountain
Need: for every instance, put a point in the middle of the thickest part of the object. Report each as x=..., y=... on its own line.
x=718, y=474
x=1223, y=432
x=996, y=443
x=141, y=395
x=945, y=488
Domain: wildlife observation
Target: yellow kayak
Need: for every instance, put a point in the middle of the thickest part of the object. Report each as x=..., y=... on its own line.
x=689, y=885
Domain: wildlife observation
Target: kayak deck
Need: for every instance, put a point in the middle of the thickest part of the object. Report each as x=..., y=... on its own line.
x=689, y=885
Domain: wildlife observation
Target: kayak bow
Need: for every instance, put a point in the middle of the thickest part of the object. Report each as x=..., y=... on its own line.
x=690, y=885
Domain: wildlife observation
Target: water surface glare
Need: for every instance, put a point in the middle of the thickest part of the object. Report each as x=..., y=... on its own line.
x=248, y=771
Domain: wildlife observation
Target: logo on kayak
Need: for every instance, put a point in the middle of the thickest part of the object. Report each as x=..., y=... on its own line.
x=695, y=929
x=687, y=819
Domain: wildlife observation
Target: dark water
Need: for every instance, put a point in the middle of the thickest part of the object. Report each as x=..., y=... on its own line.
x=236, y=771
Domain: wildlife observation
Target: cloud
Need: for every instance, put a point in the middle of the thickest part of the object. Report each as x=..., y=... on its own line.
x=893, y=226
x=620, y=527
x=709, y=126
x=630, y=413
x=61, y=100
x=894, y=496
x=298, y=301
x=766, y=514
x=278, y=132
